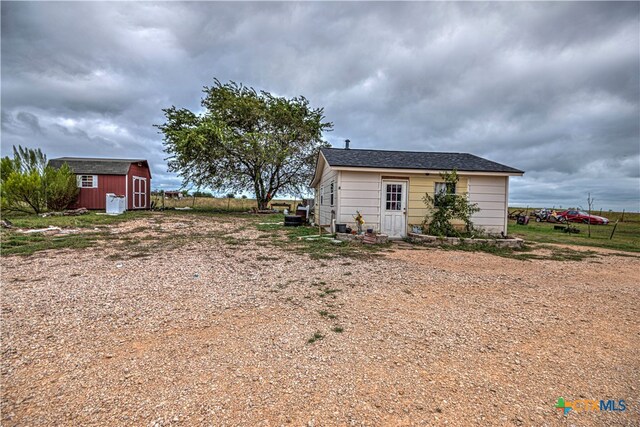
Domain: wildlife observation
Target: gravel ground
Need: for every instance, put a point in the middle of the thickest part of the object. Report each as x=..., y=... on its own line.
x=215, y=331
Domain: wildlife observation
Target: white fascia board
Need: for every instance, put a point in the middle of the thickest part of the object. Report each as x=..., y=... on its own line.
x=318, y=172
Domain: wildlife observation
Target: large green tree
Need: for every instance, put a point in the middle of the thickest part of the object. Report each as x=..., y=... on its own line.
x=245, y=141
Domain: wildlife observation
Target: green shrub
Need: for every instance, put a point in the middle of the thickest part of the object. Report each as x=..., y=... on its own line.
x=446, y=206
x=61, y=187
x=23, y=192
x=28, y=185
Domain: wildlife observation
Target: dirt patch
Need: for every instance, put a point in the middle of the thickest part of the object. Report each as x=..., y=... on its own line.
x=215, y=331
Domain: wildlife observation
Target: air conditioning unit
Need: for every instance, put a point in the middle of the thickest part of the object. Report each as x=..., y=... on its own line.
x=115, y=204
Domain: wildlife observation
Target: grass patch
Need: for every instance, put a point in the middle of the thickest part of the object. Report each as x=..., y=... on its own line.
x=14, y=243
x=525, y=253
x=90, y=220
x=316, y=336
x=338, y=329
x=625, y=238
x=303, y=240
x=328, y=291
x=325, y=313
x=234, y=241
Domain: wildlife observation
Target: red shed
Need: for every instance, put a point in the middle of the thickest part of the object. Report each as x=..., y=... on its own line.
x=97, y=177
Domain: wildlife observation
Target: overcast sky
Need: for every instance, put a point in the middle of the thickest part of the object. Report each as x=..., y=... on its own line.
x=549, y=88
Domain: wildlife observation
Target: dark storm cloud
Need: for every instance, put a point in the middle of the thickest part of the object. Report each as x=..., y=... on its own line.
x=551, y=88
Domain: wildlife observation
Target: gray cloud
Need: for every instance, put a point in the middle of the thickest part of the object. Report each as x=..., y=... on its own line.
x=551, y=88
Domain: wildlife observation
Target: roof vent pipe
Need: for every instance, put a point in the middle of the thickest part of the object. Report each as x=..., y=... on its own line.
x=346, y=144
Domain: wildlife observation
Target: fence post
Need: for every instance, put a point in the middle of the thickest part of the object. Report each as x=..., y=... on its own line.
x=622, y=219
x=614, y=230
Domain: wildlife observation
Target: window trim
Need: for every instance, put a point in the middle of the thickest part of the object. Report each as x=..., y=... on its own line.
x=447, y=187
x=332, y=194
x=94, y=181
x=321, y=195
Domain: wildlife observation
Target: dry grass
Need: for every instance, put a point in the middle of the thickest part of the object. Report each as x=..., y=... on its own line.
x=237, y=204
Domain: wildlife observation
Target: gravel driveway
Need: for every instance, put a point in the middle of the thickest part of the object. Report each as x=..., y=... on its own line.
x=217, y=331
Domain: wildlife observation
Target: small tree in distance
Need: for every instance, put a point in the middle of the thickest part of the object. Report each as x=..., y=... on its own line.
x=445, y=206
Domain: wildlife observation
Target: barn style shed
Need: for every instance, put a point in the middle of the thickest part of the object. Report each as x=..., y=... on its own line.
x=387, y=187
x=97, y=177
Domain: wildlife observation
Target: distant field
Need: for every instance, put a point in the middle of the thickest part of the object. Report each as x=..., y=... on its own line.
x=626, y=236
x=236, y=204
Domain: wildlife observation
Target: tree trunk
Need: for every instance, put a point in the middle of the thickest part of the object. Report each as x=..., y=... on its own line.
x=261, y=197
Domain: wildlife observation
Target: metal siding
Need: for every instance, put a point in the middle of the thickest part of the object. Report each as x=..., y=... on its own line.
x=95, y=198
x=491, y=194
x=324, y=209
x=142, y=172
x=360, y=192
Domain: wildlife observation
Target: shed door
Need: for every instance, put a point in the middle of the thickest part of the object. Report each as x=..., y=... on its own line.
x=394, y=208
x=139, y=192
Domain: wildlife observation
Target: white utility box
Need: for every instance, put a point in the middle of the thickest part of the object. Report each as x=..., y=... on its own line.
x=115, y=204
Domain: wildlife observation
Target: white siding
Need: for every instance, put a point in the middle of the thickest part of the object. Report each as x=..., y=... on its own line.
x=325, y=209
x=490, y=193
x=360, y=191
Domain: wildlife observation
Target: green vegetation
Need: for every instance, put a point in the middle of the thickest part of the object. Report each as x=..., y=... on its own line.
x=445, y=206
x=28, y=184
x=14, y=242
x=328, y=291
x=26, y=244
x=92, y=228
x=338, y=329
x=245, y=141
x=316, y=336
x=625, y=238
x=212, y=204
x=305, y=240
x=528, y=252
x=90, y=220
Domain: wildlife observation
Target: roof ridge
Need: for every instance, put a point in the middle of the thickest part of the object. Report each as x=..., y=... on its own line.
x=99, y=159
x=396, y=151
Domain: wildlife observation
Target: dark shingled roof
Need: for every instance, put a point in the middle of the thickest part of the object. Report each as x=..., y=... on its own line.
x=412, y=160
x=85, y=165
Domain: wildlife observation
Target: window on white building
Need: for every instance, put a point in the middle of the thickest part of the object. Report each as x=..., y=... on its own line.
x=331, y=194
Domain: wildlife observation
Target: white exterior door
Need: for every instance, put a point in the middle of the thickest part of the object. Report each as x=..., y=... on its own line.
x=139, y=192
x=394, y=208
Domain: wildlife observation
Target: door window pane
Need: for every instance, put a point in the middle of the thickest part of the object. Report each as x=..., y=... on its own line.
x=394, y=197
